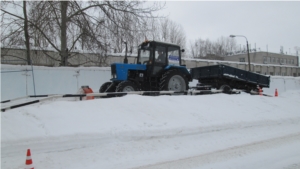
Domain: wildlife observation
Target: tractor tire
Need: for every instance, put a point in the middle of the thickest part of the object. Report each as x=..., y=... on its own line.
x=173, y=80
x=104, y=87
x=127, y=86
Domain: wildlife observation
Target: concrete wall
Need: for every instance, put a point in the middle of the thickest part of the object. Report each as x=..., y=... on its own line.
x=8, y=56
x=52, y=58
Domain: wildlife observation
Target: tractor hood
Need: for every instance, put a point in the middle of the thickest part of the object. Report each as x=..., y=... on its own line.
x=119, y=71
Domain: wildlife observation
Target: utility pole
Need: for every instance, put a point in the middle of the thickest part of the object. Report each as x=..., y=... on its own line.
x=232, y=36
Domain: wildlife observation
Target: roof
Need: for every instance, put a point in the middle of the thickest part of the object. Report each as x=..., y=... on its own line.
x=160, y=42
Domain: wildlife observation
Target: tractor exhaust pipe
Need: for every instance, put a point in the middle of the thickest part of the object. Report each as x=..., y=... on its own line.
x=125, y=59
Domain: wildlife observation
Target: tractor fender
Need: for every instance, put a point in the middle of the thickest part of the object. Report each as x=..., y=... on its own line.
x=183, y=70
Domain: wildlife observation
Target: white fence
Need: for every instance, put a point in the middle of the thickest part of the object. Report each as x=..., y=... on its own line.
x=16, y=81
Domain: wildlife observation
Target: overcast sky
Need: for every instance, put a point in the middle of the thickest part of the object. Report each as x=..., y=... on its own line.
x=271, y=24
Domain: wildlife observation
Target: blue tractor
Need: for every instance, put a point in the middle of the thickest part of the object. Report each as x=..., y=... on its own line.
x=158, y=68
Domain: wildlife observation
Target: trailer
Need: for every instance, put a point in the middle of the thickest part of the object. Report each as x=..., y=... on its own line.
x=226, y=78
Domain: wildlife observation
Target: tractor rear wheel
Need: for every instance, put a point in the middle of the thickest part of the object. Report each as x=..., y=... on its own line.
x=126, y=86
x=174, y=80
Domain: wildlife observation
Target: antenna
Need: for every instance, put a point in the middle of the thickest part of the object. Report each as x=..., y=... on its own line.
x=281, y=49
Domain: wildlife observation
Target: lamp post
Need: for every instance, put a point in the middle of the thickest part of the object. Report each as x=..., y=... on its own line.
x=232, y=36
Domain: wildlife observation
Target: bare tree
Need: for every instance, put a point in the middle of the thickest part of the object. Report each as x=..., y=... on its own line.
x=65, y=24
x=167, y=30
x=15, y=27
x=222, y=47
x=26, y=34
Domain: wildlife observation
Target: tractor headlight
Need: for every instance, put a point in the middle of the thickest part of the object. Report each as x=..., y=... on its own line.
x=113, y=76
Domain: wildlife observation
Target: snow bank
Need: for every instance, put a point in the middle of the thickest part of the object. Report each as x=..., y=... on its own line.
x=205, y=131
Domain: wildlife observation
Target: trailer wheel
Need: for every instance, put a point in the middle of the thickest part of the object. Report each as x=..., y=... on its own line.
x=173, y=80
x=126, y=86
x=105, y=86
x=225, y=88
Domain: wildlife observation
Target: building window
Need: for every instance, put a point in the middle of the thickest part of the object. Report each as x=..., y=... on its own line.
x=292, y=61
x=265, y=59
x=242, y=59
x=274, y=60
x=278, y=60
x=271, y=73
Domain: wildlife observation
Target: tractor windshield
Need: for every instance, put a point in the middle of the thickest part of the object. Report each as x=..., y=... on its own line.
x=144, y=56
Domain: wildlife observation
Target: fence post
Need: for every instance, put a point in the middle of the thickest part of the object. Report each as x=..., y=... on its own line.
x=32, y=77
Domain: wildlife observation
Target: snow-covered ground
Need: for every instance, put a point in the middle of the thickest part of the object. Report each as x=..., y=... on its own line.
x=186, y=132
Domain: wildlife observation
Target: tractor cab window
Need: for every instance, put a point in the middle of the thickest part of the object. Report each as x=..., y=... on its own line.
x=173, y=56
x=160, y=54
x=144, y=56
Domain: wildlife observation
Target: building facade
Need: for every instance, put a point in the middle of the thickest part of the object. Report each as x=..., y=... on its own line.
x=265, y=58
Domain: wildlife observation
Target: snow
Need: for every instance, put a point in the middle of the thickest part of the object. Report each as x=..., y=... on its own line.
x=185, y=132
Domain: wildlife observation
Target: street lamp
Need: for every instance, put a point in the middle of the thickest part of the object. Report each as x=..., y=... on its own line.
x=232, y=36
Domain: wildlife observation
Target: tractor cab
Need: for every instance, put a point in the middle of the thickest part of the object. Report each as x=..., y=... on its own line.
x=158, y=68
x=158, y=55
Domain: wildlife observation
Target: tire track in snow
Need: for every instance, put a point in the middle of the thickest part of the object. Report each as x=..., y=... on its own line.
x=293, y=166
x=84, y=140
x=226, y=154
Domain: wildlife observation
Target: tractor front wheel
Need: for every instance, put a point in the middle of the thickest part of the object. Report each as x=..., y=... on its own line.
x=126, y=86
x=106, y=87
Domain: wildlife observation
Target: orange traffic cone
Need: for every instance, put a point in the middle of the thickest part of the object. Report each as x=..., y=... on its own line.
x=260, y=92
x=276, y=93
x=29, y=160
x=87, y=90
